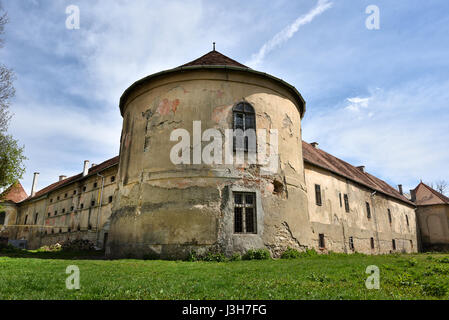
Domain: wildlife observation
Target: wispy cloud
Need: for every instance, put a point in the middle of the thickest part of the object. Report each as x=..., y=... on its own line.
x=288, y=32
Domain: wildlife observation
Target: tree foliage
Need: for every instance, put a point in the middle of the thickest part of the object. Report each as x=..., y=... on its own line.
x=11, y=154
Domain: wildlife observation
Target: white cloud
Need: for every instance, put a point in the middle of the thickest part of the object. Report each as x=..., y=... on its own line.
x=399, y=134
x=288, y=32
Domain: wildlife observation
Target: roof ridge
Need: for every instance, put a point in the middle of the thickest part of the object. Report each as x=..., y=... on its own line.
x=349, y=171
x=66, y=181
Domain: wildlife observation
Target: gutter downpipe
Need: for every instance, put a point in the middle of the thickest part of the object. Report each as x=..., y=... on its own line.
x=373, y=203
x=99, y=208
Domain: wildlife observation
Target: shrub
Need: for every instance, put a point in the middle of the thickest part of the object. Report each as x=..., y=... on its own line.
x=290, y=253
x=444, y=260
x=211, y=257
x=192, y=256
x=308, y=253
x=259, y=254
x=236, y=257
x=412, y=262
x=434, y=289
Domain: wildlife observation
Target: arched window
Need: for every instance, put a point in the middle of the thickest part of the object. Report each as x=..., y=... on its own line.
x=244, y=127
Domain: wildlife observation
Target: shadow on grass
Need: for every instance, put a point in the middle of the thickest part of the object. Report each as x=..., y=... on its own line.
x=64, y=255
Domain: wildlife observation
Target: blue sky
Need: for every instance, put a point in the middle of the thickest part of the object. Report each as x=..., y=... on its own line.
x=378, y=98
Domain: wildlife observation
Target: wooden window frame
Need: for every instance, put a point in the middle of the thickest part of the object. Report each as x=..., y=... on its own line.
x=244, y=114
x=244, y=205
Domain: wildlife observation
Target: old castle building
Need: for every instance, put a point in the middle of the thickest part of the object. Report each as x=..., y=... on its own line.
x=142, y=203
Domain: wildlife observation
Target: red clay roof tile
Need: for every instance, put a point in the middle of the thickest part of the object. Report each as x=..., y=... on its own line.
x=15, y=193
x=320, y=158
x=214, y=58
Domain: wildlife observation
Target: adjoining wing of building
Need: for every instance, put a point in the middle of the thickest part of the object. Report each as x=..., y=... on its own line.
x=141, y=203
x=433, y=217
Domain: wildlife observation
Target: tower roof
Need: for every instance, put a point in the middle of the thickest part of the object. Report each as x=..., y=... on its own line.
x=214, y=58
x=15, y=193
x=217, y=62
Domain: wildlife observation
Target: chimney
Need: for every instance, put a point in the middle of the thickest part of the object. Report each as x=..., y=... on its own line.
x=361, y=168
x=86, y=168
x=62, y=177
x=315, y=145
x=400, y=189
x=93, y=165
x=34, y=186
x=413, y=195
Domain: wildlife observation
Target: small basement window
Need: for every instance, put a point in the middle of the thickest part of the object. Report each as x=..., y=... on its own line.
x=110, y=199
x=372, y=242
x=351, y=243
x=321, y=242
x=393, y=244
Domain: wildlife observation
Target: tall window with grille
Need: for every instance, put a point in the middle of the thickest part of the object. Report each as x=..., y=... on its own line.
x=244, y=127
x=346, y=199
x=245, y=212
x=368, y=211
x=318, y=195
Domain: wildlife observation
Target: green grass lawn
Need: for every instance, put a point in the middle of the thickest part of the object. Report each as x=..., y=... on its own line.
x=42, y=276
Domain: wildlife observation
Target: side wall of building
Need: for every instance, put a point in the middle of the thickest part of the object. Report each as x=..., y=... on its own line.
x=372, y=235
x=70, y=212
x=433, y=221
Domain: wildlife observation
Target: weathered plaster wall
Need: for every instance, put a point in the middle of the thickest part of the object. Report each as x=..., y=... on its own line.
x=10, y=210
x=167, y=209
x=337, y=225
x=434, y=226
x=58, y=216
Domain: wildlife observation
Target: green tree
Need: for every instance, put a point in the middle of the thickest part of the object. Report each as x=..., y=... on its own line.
x=11, y=154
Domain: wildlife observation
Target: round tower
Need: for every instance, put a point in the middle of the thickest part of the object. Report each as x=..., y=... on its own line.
x=210, y=159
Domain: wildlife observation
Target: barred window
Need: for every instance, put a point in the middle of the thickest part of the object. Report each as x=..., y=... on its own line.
x=244, y=127
x=245, y=212
x=318, y=195
x=346, y=202
x=351, y=243
x=368, y=211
